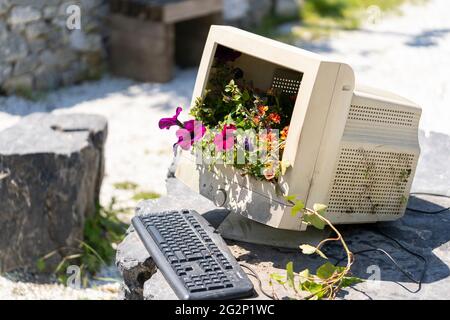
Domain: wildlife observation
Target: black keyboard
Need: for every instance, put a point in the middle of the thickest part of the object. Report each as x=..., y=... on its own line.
x=194, y=259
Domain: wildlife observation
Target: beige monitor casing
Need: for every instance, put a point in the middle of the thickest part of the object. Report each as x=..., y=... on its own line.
x=354, y=150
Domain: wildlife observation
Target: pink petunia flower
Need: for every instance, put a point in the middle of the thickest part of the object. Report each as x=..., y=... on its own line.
x=192, y=132
x=166, y=123
x=225, y=140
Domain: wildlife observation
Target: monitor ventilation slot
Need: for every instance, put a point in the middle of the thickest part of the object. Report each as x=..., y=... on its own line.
x=287, y=80
x=370, y=182
x=382, y=115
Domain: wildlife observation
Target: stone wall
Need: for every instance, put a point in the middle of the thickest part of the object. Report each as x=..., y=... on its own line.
x=39, y=52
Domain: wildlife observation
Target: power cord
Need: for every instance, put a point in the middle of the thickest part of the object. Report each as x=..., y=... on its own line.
x=256, y=276
x=395, y=263
x=404, y=248
x=392, y=259
x=428, y=194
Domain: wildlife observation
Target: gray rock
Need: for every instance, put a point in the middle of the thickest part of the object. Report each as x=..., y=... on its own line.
x=22, y=15
x=288, y=7
x=26, y=65
x=21, y=82
x=37, y=45
x=3, y=31
x=4, y=6
x=247, y=13
x=47, y=77
x=135, y=265
x=81, y=41
x=49, y=58
x=51, y=169
x=37, y=4
x=49, y=12
x=5, y=72
x=73, y=74
x=13, y=48
x=37, y=29
x=157, y=288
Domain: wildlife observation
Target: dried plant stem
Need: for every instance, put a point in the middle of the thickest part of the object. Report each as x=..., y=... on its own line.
x=336, y=279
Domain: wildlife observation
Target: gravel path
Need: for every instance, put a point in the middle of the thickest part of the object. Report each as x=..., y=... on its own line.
x=409, y=55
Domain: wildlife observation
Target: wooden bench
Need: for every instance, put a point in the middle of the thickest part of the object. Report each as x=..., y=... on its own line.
x=148, y=37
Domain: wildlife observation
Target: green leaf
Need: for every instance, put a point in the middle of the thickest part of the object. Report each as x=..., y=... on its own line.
x=314, y=288
x=320, y=208
x=298, y=206
x=40, y=264
x=303, y=276
x=290, y=274
x=326, y=270
x=292, y=197
x=349, y=281
x=245, y=95
x=314, y=220
x=278, y=278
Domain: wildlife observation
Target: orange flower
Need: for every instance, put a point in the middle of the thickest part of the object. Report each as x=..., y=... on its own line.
x=275, y=117
x=262, y=110
x=256, y=119
x=284, y=133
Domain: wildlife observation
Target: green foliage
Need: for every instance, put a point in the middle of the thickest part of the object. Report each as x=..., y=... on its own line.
x=290, y=274
x=101, y=232
x=145, y=195
x=329, y=279
x=345, y=14
x=298, y=207
x=231, y=100
x=126, y=185
x=41, y=265
x=314, y=220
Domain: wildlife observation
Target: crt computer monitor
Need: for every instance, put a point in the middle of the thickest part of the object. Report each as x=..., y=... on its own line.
x=354, y=149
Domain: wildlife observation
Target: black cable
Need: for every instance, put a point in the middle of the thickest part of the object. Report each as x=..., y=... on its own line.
x=255, y=275
x=428, y=194
x=395, y=263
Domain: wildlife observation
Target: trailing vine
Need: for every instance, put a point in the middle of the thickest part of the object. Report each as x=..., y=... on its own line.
x=329, y=279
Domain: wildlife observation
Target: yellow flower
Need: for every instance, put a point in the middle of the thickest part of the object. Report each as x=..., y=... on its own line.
x=262, y=110
x=284, y=133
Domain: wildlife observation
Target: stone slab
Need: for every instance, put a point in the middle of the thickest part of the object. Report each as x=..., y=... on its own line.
x=51, y=169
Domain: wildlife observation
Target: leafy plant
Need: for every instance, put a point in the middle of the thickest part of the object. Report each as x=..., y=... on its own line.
x=102, y=232
x=145, y=195
x=257, y=118
x=328, y=279
x=126, y=185
x=346, y=14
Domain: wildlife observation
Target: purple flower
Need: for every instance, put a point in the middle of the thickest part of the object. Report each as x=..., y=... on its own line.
x=191, y=132
x=166, y=123
x=248, y=145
